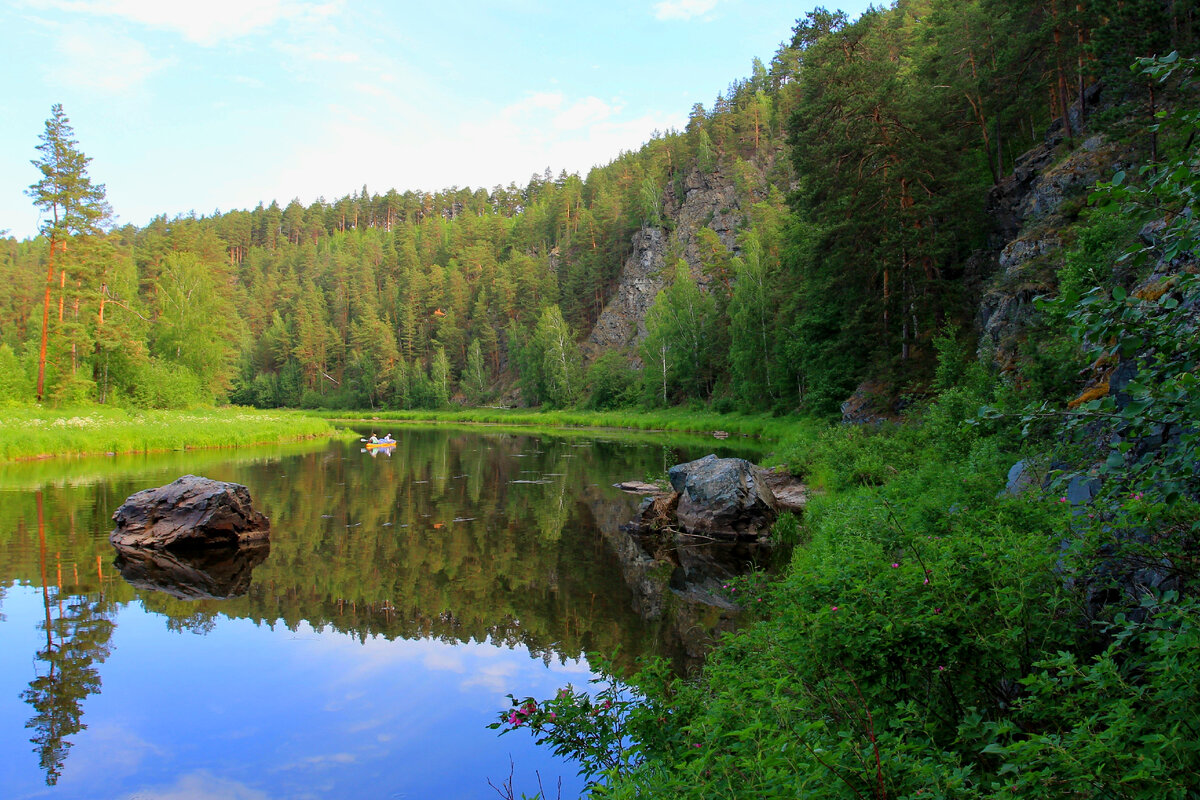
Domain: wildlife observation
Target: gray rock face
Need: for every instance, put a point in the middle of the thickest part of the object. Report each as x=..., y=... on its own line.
x=191, y=512
x=700, y=201
x=726, y=497
x=1029, y=210
x=623, y=320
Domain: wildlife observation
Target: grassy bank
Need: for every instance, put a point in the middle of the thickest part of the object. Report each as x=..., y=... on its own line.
x=763, y=426
x=31, y=432
x=933, y=637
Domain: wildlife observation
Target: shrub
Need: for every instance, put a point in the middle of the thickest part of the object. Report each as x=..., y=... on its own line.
x=163, y=384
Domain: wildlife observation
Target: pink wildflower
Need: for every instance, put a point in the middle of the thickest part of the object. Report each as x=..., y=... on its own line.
x=895, y=564
x=833, y=608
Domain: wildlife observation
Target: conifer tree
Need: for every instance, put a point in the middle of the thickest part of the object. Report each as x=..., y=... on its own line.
x=73, y=205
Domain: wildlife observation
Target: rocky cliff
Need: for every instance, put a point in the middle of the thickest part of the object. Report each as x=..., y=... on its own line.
x=699, y=200
x=1033, y=210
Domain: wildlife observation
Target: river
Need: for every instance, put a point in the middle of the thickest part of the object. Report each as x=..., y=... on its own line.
x=404, y=594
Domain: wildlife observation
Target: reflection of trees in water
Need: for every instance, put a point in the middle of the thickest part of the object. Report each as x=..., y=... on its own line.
x=460, y=537
x=78, y=629
x=435, y=542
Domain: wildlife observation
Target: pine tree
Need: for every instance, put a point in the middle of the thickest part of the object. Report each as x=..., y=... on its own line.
x=73, y=204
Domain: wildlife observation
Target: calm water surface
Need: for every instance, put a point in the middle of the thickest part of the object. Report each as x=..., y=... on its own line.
x=402, y=598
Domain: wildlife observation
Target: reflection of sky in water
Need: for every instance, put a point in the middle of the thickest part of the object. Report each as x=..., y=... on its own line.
x=247, y=712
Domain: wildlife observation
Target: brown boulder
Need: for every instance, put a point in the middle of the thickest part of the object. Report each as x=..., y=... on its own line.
x=191, y=512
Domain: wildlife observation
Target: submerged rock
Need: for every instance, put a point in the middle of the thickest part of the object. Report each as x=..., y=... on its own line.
x=190, y=512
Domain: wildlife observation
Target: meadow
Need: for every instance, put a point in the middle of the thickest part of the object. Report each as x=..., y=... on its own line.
x=35, y=432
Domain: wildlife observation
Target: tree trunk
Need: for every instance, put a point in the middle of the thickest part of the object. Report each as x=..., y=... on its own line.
x=1063, y=107
x=41, y=378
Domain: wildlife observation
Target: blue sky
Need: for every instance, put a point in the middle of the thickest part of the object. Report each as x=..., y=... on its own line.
x=220, y=104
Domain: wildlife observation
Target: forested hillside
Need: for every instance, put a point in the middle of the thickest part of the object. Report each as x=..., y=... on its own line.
x=854, y=166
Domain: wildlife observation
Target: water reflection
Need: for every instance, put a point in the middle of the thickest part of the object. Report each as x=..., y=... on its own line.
x=78, y=629
x=198, y=574
x=468, y=548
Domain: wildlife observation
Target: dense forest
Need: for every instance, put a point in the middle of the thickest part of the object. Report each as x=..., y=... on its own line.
x=976, y=215
x=860, y=157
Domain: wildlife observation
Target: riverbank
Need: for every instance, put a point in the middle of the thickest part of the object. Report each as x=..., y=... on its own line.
x=28, y=432
x=761, y=426
x=936, y=634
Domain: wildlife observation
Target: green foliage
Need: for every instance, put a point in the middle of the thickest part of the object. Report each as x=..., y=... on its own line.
x=679, y=326
x=14, y=383
x=31, y=432
x=599, y=729
x=549, y=361
x=474, y=377
x=71, y=202
x=1090, y=262
x=1119, y=724
x=1153, y=444
x=163, y=384
x=611, y=383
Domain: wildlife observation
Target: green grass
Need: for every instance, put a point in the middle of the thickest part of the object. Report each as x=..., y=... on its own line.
x=32, y=432
x=762, y=426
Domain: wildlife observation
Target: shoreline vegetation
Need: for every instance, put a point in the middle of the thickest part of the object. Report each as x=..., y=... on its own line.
x=30, y=432
x=765, y=427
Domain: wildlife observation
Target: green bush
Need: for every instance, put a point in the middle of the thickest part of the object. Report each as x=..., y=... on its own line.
x=163, y=384
x=611, y=383
x=15, y=385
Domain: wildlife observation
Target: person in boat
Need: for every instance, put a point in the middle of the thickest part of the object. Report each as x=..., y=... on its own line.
x=387, y=437
x=373, y=439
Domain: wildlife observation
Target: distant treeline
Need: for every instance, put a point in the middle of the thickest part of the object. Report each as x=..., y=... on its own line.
x=860, y=156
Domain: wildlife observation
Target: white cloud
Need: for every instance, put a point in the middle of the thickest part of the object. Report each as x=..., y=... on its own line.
x=201, y=785
x=585, y=112
x=683, y=9
x=102, y=60
x=410, y=150
x=205, y=23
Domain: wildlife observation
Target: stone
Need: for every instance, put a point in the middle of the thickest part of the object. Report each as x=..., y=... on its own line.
x=867, y=405
x=723, y=497
x=1080, y=491
x=638, y=487
x=1020, y=478
x=190, y=512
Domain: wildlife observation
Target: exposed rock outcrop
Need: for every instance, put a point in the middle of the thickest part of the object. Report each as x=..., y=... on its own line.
x=697, y=201
x=1030, y=210
x=623, y=320
x=190, y=512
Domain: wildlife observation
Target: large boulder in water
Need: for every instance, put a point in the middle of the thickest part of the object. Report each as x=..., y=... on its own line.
x=724, y=497
x=191, y=512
